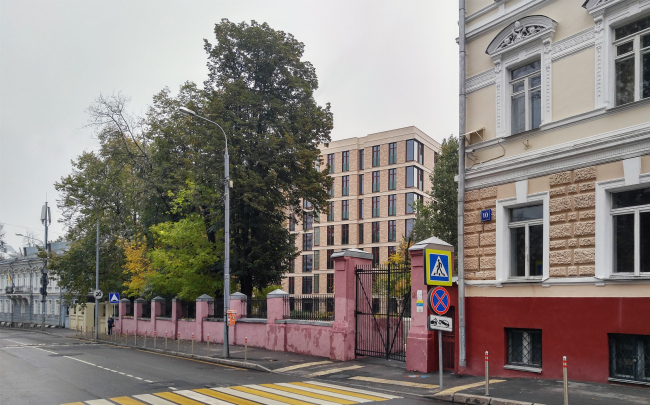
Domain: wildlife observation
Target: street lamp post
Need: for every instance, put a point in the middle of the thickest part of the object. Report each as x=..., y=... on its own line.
x=226, y=267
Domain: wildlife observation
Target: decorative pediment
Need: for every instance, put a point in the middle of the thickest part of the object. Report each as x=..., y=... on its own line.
x=520, y=32
x=592, y=4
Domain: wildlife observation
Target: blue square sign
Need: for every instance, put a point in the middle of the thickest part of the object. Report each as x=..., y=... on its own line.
x=114, y=298
x=438, y=267
x=486, y=215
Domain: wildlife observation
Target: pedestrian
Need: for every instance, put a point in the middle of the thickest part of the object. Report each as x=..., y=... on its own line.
x=111, y=321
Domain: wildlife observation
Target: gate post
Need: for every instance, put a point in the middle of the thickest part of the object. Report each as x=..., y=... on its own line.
x=421, y=354
x=344, y=326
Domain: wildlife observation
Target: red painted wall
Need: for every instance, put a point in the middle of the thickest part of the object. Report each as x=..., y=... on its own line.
x=572, y=327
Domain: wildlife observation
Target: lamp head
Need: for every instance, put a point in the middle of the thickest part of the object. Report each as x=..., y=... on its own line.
x=187, y=111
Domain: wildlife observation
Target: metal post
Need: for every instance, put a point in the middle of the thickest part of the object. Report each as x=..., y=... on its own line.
x=487, y=375
x=388, y=315
x=135, y=337
x=43, y=299
x=246, y=348
x=154, y=339
x=566, y=382
x=145, y=339
x=226, y=238
x=97, y=280
x=208, y=345
x=165, y=340
x=440, y=356
x=178, y=339
x=461, y=186
x=192, y=343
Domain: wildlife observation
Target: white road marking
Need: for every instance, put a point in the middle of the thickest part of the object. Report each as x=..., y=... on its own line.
x=248, y=396
x=291, y=395
x=394, y=382
x=202, y=398
x=172, y=388
x=38, y=348
x=376, y=394
x=99, y=402
x=153, y=400
x=324, y=392
x=332, y=371
x=74, y=358
x=297, y=366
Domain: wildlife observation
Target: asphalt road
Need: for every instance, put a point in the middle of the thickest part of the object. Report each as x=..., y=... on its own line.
x=44, y=369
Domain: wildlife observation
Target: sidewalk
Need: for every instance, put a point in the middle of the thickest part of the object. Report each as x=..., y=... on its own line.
x=390, y=375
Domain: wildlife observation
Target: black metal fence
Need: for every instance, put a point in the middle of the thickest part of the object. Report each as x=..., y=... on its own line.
x=166, y=309
x=310, y=307
x=146, y=310
x=188, y=310
x=383, y=311
x=254, y=308
x=129, y=309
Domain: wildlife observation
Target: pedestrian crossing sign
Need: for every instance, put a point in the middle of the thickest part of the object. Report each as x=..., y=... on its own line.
x=114, y=298
x=438, y=267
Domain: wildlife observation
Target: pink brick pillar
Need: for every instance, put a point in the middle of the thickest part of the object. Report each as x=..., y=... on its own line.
x=156, y=310
x=344, y=327
x=176, y=314
x=202, y=311
x=122, y=311
x=237, y=303
x=275, y=302
x=137, y=312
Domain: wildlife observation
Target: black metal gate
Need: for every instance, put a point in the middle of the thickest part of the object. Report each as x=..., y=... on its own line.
x=383, y=311
x=629, y=357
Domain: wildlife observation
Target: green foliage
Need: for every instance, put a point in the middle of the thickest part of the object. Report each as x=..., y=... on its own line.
x=440, y=217
x=265, y=291
x=184, y=259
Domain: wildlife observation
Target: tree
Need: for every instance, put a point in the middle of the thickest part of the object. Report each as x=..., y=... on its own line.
x=3, y=249
x=439, y=217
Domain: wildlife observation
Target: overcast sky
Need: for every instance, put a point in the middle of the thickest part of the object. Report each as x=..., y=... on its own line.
x=381, y=64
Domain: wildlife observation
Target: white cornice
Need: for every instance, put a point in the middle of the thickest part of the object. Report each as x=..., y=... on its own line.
x=480, y=81
x=594, y=150
x=503, y=18
x=575, y=43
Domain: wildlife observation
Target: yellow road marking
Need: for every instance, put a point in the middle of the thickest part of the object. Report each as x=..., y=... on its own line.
x=394, y=382
x=339, y=391
x=308, y=394
x=177, y=398
x=297, y=366
x=198, y=361
x=127, y=401
x=74, y=403
x=332, y=371
x=268, y=395
x=467, y=386
x=225, y=397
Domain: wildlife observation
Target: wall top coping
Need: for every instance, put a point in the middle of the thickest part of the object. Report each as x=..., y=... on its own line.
x=125, y=300
x=238, y=296
x=277, y=294
x=158, y=299
x=205, y=298
x=430, y=241
x=140, y=300
x=352, y=253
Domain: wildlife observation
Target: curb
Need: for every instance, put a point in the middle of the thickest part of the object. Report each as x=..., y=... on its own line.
x=458, y=398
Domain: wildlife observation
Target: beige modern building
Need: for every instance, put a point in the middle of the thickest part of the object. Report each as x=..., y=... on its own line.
x=558, y=148
x=376, y=179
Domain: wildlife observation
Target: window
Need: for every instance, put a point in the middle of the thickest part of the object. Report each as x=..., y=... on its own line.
x=331, y=190
x=408, y=227
x=307, y=263
x=292, y=266
x=375, y=182
x=361, y=208
x=306, y=205
x=316, y=259
x=375, y=257
x=375, y=207
x=629, y=357
x=392, y=250
x=392, y=231
x=307, y=221
x=526, y=241
x=345, y=209
x=414, y=177
x=316, y=215
x=360, y=184
x=414, y=151
x=330, y=215
x=435, y=157
x=392, y=205
x=292, y=285
x=345, y=160
x=632, y=60
x=376, y=156
x=375, y=232
x=525, y=347
x=361, y=159
x=361, y=234
x=411, y=200
x=392, y=153
x=330, y=261
x=307, y=239
x=345, y=185
x=316, y=282
x=392, y=179
x=316, y=236
x=330, y=162
x=330, y=235
x=292, y=223
x=330, y=283
x=631, y=223
x=526, y=98
x=345, y=234
x=307, y=285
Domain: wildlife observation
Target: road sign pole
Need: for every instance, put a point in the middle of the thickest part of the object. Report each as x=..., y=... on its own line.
x=440, y=356
x=97, y=282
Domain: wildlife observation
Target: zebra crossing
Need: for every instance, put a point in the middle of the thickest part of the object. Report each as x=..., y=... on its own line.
x=307, y=392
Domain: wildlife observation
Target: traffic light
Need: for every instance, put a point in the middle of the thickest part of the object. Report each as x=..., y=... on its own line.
x=44, y=283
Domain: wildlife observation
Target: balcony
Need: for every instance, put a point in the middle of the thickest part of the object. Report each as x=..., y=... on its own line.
x=16, y=290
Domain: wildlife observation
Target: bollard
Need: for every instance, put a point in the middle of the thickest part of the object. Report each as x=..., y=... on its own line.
x=245, y=348
x=178, y=338
x=165, y=340
x=154, y=339
x=126, y=339
x=208, y=344
x=135, y=338
x=105, y=333
x=487, y=375
x=192, y=343
x=145, y=339
x=566, y=383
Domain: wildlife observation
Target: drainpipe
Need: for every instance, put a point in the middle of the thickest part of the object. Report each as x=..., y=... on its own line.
x=461, y=184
